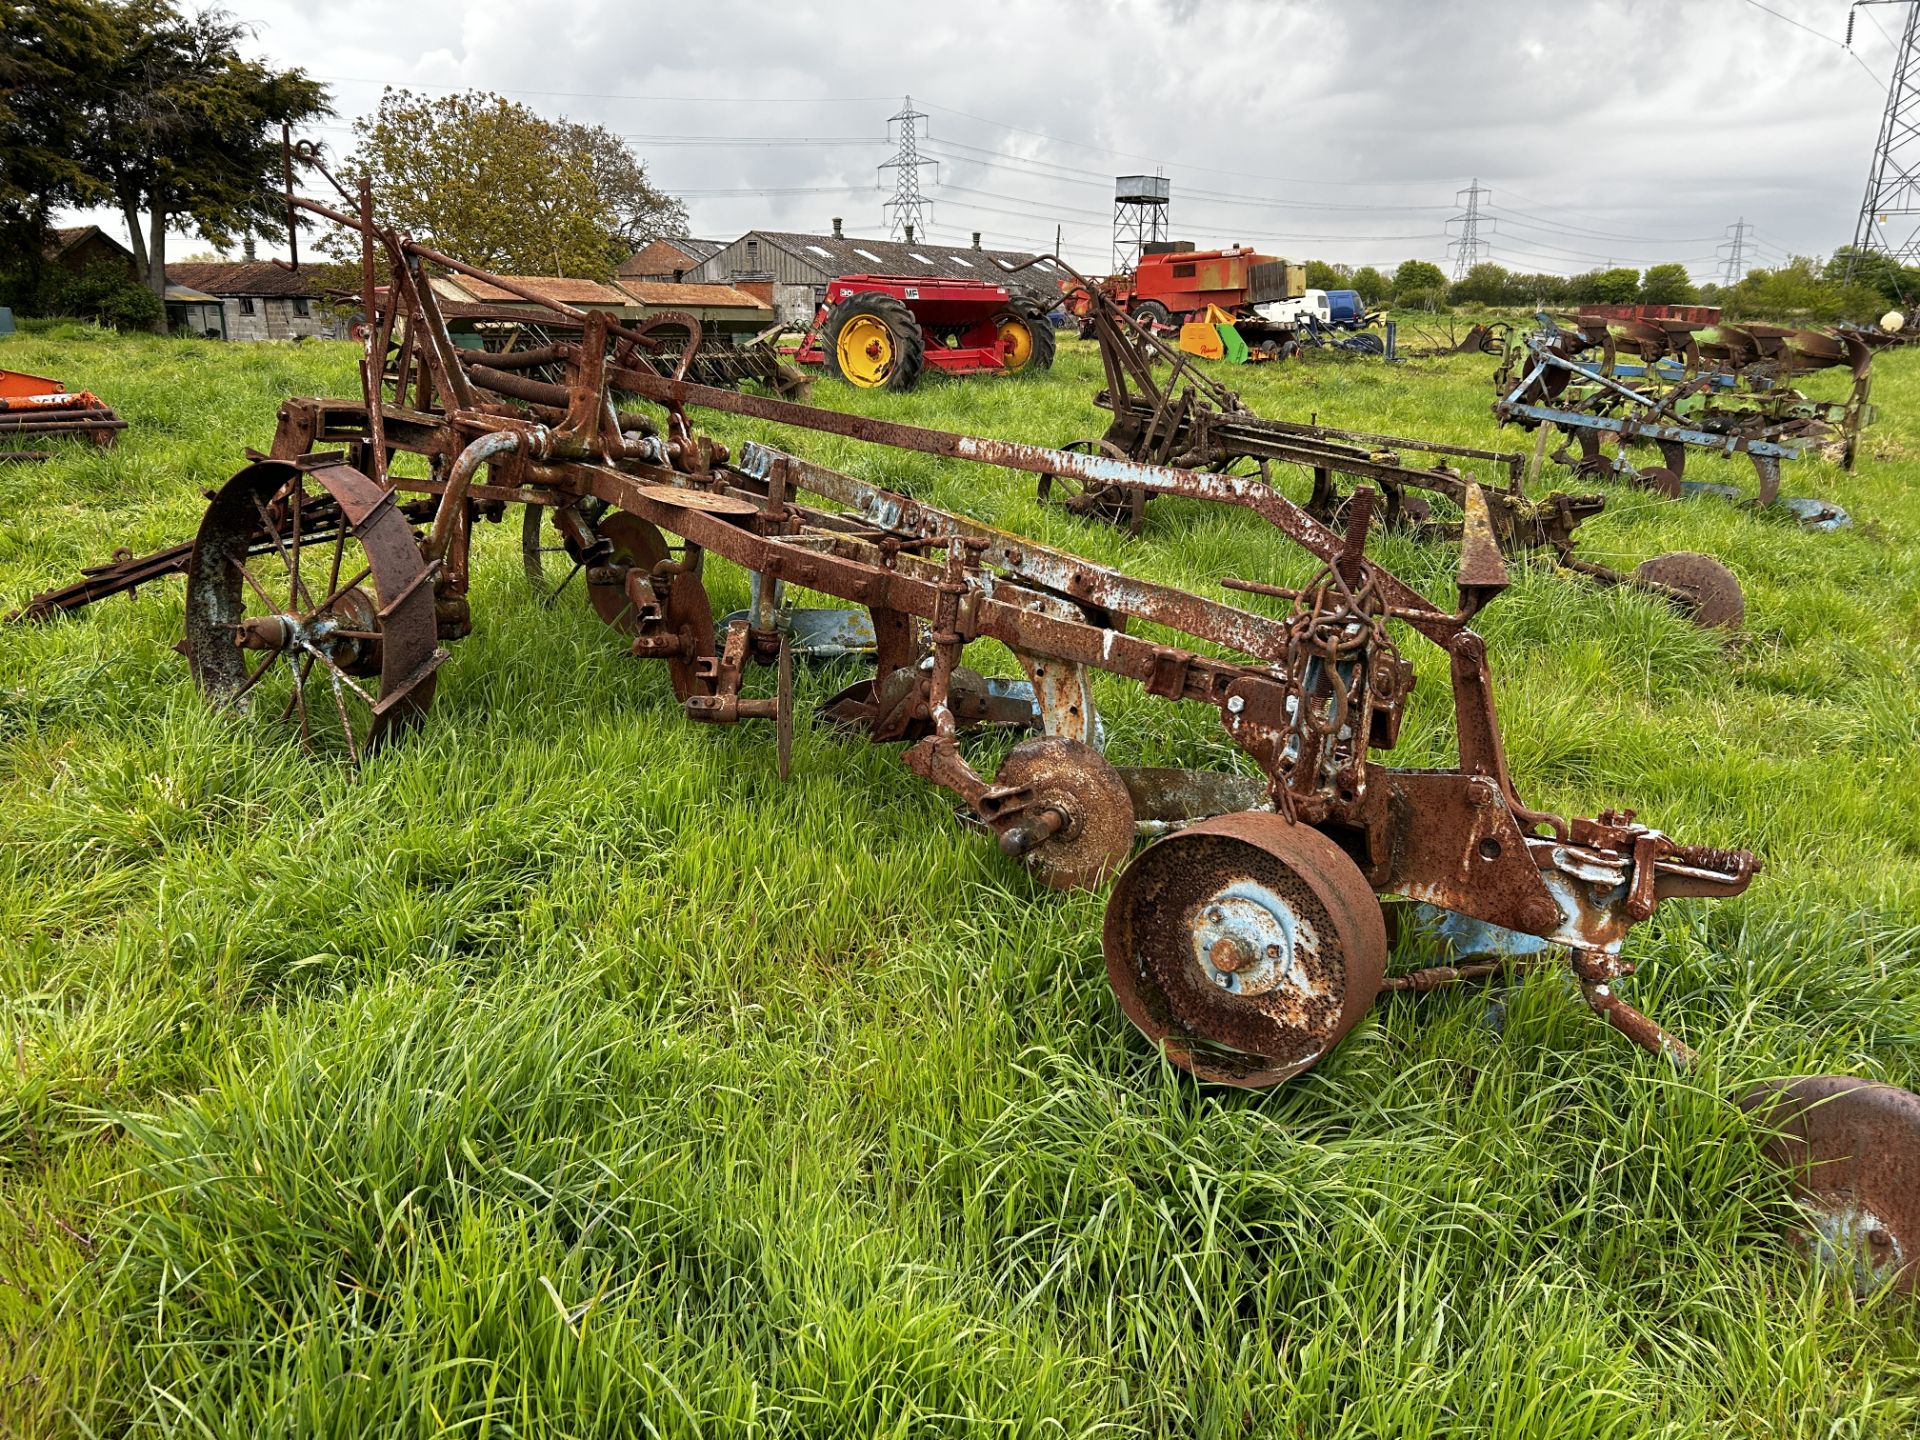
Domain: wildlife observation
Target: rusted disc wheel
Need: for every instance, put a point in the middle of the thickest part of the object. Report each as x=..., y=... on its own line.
x=329, y=625
x=637, y=545
x=687, y=612
x=1851, y=1148
x=1706, y=589
x=1245, y=947
x=1078, y=784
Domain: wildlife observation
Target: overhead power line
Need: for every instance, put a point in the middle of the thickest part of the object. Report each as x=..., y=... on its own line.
x=1819, y=35
x=906, y=211
x=1735, y=250
x=1468, y=248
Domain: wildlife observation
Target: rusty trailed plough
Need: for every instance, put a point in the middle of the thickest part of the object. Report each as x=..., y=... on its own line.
x=1245, y=942
x=1679, y=387
x=1186, y=419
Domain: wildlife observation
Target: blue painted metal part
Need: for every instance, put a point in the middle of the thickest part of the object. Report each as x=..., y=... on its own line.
x=1667, y=370
x=1727, y=444
x=1816, y=514
x=824, y=634
x=1466, y=938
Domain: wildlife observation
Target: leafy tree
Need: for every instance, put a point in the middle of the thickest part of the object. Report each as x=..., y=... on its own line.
x=1483, y=284
x=182, y=128
x=1898, y=284
x=1800, y=290
x=1538, y=289
x=51, y=53
x=488, y=180
x=104, y=292
x=1370, y=284
x=1417, y=277
x=642, y=212
x=1606, y=287
x=1667, y=285
x=1322, y=276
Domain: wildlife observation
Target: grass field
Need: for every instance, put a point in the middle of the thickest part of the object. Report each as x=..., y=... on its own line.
x=566, y=1074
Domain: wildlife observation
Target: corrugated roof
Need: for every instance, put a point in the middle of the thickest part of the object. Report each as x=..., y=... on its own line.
x=669, y=294
x=668, y=254
x=564, y=289
x=240, y=277
x=843, y=255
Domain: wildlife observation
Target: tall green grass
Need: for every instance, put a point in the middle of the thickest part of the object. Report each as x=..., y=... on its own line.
x=567, y=1074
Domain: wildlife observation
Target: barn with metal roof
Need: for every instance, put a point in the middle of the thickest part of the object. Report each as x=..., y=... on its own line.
x=799, y=267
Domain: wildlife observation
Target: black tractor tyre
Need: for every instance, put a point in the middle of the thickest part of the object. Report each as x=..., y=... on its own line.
x=909, y=343
x=1152, y=312
x=1045, y=342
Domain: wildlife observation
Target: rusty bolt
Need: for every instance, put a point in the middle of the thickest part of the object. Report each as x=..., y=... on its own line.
x=1229, y=954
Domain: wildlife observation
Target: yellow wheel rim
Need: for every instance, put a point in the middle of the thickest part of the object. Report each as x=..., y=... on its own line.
x=865, y=351
x=1016, y=344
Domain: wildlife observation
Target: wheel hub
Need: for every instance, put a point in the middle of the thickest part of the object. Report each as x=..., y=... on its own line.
x=351, y=612
x=1247, y=941
x=268, y=632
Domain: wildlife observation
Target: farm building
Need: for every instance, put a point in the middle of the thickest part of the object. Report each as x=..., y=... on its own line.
x=258, y=299
x=722, y=309
x=82, y=245
x=796, y=269
x=195, y=312
x=670, y=259
x=465, y=295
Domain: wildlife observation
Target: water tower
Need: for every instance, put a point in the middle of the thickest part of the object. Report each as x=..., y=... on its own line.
x=1139, y=216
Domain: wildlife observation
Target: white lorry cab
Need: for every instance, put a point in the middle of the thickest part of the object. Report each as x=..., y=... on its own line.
x=1310, y=304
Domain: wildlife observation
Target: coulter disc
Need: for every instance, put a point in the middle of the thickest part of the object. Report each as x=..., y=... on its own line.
x=1076, y=781
x=1852, y=1150
x=1245, y=947
x=1707, y=589
x=637, y=544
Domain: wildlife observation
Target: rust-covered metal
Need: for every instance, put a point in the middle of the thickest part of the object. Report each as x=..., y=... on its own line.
x=1244, y=943
x=1682, y=387
x=638, y=498
x=1848, y=1146
x=1168, y=411
x=36, y=407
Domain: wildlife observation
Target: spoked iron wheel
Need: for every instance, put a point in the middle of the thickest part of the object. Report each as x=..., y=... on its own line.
x=1115, y=504
x=547, y=563
x=308, y=600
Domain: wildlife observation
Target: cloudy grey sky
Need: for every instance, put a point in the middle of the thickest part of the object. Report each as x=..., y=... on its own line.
x=1623, y=131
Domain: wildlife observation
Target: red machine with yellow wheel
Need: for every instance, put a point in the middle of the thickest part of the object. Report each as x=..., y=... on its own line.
x=880, y=332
